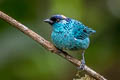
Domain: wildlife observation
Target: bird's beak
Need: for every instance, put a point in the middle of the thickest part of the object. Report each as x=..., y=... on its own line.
x=48, y=21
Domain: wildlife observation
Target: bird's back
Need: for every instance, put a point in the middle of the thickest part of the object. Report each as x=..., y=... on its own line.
x=72, y=35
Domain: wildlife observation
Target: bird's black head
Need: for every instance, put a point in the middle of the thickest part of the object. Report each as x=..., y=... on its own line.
x=55, y=19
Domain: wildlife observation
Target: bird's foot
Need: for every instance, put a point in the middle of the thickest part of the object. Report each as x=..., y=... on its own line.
x=82, y=65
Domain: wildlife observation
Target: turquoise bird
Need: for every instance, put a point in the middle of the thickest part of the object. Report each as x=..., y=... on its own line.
x=70, y=34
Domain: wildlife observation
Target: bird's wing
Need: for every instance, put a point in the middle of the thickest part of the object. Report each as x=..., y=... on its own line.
x=80, y=31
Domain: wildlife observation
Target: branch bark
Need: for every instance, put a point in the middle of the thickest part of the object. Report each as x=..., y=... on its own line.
x=49, y=46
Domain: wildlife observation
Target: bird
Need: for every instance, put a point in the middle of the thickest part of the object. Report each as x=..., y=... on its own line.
x=70, y=34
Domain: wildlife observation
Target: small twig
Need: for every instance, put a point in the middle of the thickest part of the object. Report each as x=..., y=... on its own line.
x=49, y=46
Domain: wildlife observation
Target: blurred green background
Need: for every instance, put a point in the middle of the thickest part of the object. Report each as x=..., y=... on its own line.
x=21, y=58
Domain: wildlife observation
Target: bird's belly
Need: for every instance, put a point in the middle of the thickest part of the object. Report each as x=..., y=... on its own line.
x=67, y=41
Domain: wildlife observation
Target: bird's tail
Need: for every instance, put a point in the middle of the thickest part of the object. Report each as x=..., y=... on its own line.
x=90, y=31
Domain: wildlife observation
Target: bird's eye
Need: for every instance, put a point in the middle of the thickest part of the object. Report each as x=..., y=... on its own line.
x=57, y=20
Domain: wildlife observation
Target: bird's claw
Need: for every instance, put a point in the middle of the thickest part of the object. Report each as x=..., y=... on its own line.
x=82, y=65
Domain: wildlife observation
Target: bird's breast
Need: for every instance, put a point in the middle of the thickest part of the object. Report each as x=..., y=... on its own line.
x=61, y=39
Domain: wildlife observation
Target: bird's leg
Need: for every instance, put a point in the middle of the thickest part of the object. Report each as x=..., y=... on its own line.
x=82, y=65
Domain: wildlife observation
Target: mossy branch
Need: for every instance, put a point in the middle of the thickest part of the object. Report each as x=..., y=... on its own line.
x=49, y=46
